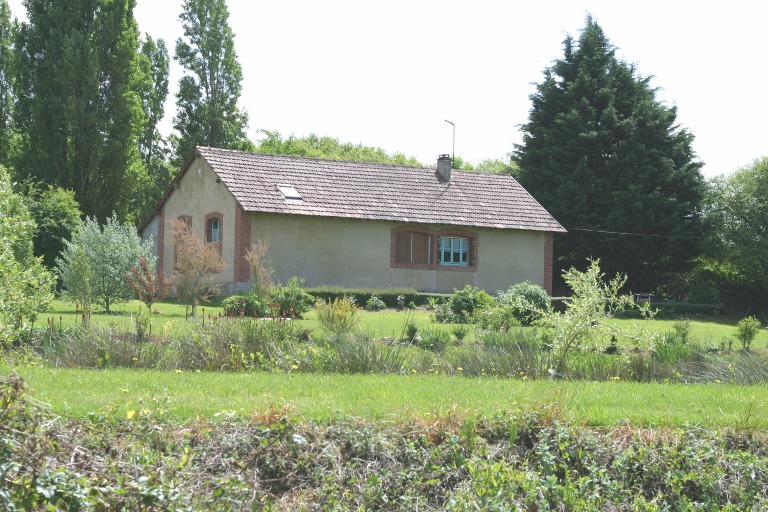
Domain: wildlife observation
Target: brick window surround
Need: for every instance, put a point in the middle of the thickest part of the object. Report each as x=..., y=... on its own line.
x=208, y=218
x=434, y=260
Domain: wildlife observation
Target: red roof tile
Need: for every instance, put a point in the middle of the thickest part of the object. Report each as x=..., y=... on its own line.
x=359, y=190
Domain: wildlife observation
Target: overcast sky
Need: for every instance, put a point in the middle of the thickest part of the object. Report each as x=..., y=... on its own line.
x=389, y=74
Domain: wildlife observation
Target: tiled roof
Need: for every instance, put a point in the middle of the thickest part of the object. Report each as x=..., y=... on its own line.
x=358, y=190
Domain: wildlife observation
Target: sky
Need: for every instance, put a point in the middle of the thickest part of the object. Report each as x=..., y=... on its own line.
x=389, y=74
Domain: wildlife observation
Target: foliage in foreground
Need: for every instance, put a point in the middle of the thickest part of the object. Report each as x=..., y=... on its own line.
x=25, y=284
x=449, y=460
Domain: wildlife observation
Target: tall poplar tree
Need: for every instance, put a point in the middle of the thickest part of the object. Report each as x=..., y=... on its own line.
x=77, y=107
x=608, y=160
x=208, y=114
x=153, y=72
x=7, y=100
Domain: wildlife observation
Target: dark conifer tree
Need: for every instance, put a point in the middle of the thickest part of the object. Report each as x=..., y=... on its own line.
x=602, y=154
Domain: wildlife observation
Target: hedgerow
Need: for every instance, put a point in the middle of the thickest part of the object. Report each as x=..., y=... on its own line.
x=450, y=460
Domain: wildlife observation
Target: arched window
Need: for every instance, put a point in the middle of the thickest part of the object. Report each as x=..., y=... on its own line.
x=214, y=228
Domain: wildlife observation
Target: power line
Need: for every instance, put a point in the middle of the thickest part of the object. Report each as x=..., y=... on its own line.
x=633, y=234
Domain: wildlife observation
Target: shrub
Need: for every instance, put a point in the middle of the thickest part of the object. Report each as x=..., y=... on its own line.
x=261, y=270
x=149, y=287
x=746, y=330
x=583, y=323
x=245, y=305
x=460, y=331
x=463, y=306
x=25, y=284
x=704, y=292
x=196, y=263
x=98, y=258
x=500, y=318
x=337, y=317
x=375, y=303
x=443, y=313
x=526, y=301
x=291, y=299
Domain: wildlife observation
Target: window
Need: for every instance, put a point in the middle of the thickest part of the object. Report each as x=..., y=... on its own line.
x=414, y=248
x=215, y=230
x=289, y=192
x=421, y=248
x=454, y=251
x=214, y=225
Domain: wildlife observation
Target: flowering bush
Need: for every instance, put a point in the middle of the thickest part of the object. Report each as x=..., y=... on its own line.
x=247, y=304
x=291, y=299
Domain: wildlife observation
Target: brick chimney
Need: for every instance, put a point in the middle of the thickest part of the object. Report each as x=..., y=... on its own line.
x=444, y=168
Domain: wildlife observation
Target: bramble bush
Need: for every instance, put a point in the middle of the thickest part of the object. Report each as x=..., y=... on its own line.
x=451, y=460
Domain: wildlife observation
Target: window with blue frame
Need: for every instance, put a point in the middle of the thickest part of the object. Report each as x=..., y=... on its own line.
x=454, y=251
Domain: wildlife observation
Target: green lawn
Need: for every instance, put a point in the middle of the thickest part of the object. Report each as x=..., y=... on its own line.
x=380, y=324
x=375, y=397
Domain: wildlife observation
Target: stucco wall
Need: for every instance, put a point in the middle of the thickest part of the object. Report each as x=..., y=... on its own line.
x=356, y=253
x=198, y=195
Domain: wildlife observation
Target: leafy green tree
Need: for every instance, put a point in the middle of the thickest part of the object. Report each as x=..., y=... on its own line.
x=736, y=255
x=25, y=284
x=328, y=147
x=152, y=87
x=95, y=264
x=207, y=113
x=608, y=160
x=77, y=105
x=56, y=215
x=7, y=99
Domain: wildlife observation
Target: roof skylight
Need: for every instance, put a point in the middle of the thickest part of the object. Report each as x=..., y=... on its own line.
x=289, y=192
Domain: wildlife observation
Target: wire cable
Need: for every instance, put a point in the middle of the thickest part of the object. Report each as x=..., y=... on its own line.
x=633, y=234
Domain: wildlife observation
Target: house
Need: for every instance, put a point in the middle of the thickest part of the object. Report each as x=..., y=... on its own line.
x=356, y=224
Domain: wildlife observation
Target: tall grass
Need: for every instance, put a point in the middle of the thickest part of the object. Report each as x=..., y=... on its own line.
x=361, y=354
x=245, y=345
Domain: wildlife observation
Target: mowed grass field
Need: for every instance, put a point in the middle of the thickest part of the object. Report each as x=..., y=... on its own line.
x=190, y=395
x=380, y=324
